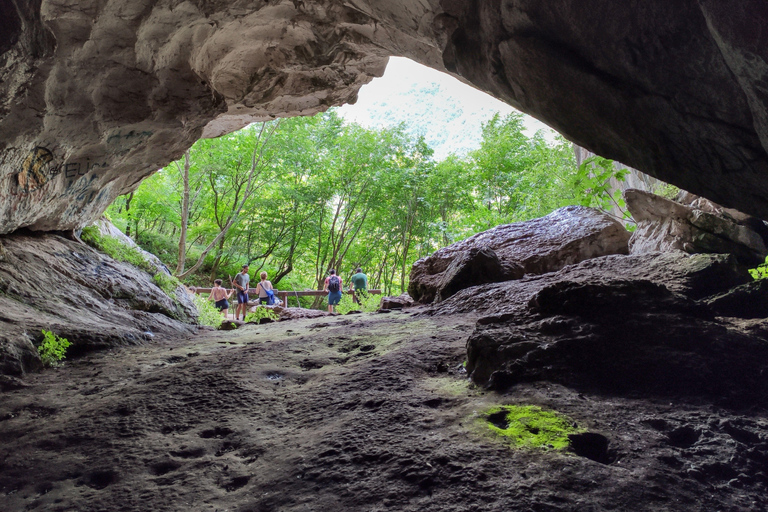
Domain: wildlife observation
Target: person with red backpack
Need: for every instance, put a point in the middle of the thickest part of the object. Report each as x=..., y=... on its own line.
x=333, y=287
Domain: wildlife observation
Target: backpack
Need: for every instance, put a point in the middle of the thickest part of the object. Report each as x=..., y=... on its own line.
x=333, y=284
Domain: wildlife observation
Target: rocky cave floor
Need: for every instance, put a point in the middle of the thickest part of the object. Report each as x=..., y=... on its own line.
x=360, y=412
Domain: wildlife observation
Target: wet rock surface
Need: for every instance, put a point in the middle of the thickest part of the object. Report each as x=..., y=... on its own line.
x=370, y=412
x=64, y=286
x=538, y=246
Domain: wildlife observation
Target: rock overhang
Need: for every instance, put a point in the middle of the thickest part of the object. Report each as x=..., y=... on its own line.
x=98, y=95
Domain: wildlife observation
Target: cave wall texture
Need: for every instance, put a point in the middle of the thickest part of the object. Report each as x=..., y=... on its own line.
x=98, y=94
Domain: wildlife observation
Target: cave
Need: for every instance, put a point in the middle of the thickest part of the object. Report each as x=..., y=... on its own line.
x=98, y=95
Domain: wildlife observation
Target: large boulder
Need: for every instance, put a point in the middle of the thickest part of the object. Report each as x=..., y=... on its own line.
x=401, y=301
x=698, y=227
x=610, y=330
x=547, y=244
x=87, y=297
x=696, y=277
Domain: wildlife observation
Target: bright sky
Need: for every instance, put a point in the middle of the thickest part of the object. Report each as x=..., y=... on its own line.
x=446, y=111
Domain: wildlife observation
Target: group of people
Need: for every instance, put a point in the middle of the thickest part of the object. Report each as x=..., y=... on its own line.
x=334, y=285
x=241, y=284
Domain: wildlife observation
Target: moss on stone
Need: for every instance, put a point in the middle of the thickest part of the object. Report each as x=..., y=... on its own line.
x=116, y=249
x=529, y=426
x=168, y=283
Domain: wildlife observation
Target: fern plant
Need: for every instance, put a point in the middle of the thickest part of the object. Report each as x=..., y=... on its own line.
x=760, y=272
x=207, y=312
x=53, y=349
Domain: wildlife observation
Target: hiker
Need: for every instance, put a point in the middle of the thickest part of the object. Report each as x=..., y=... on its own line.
x=241, y=284
x=220, y=297
x=360, y=283
x=262, y=289
x=333, y=287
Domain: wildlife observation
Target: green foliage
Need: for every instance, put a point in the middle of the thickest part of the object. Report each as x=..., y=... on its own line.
x=116, y=249
x=368, y=303
x=760, y=272
x=336, y=195
x=666, y=191
x=591, y=185
x=53, y=348
x=529, y=426
x=167, y=283
x=262, y=312
x=207, y=312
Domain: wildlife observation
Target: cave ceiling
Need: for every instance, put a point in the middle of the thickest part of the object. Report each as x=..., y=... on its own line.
x=98, y=94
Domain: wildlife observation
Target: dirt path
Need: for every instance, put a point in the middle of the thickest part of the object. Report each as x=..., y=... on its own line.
x=364, y=412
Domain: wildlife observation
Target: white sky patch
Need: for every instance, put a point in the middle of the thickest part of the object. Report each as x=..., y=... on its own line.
x=446, y=111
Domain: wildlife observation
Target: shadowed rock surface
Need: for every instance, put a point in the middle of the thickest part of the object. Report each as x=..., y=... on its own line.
x=506, y=252
x=368, y=412
x=61, y=285
x=96, y=95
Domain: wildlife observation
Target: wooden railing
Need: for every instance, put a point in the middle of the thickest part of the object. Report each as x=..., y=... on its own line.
x=283, y=295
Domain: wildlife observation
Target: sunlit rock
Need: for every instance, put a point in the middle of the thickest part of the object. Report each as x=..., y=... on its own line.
x=564, y=237
x=665, y=225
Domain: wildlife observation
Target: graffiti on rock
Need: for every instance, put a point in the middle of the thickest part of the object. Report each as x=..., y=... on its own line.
x=40, y=166
x=36, y=170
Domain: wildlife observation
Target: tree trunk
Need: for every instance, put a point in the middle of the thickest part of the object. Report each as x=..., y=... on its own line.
x=182, y=256
x=256, y=159
x=128, y=214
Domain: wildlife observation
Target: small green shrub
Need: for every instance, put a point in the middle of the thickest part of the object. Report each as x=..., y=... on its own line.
x=760, y=272
x=116, y=249
x=208, y=314
x=262, y=312
x=666, y=191
x=53, y=348
x=368, y=303
x=166, y=282
x=529, y=426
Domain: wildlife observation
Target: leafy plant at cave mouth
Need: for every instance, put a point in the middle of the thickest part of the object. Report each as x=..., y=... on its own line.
x=591, y=186
x=207, y=312
x=529, y=426
x=53, y=348
x=760, y=272
x=261, y=312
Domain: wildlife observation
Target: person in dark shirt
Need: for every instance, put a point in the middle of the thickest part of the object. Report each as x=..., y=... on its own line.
x=360, y=283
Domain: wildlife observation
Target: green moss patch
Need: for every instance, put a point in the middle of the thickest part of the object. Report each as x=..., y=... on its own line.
x=116, y=249
x=166, y=282
x=529, y=426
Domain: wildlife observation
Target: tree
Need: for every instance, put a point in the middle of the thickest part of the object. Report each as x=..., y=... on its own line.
x=232, y=182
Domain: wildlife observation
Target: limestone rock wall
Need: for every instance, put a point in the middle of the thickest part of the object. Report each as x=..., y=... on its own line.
x=64, y=286
x=95, y=95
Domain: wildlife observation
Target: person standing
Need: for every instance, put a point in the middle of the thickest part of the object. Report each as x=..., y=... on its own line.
x=220, y=296
x=333, y=287
x=360, y=283
x=262, y=288
x=241, y=284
